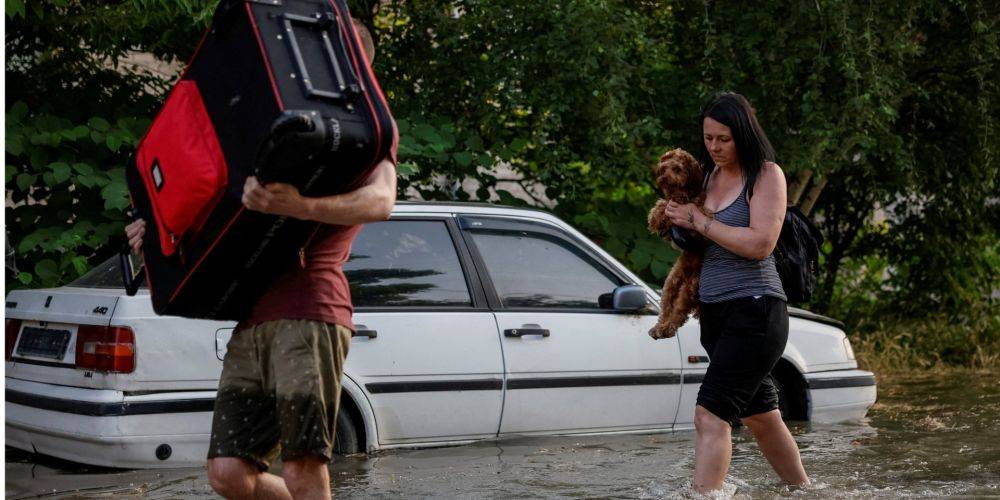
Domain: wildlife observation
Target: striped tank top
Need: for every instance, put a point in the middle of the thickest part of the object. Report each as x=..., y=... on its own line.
x=727, y=276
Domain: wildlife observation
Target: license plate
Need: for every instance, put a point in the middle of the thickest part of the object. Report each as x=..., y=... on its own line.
x=43, y=342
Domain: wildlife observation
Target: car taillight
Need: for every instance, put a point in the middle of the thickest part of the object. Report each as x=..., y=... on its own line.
x=13, y=329
x=105, y=348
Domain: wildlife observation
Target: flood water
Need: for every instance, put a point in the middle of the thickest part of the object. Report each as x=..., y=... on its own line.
x=928, y=436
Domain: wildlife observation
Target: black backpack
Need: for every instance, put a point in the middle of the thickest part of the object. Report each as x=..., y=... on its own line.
x=797, y=256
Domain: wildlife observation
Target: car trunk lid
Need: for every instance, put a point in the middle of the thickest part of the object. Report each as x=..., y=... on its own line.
x=43, y=327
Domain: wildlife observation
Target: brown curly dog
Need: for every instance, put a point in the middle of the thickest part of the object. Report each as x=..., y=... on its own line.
x=679, y=177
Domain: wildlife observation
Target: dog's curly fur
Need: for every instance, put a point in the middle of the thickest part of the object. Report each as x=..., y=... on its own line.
x=679, y=177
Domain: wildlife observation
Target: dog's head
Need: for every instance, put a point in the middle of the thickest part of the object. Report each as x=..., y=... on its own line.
x=678, y=171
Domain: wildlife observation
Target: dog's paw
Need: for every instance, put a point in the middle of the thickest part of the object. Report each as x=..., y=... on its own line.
x=662, y=331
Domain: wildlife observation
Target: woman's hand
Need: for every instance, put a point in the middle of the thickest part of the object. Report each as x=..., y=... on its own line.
x=687, y=216
x=276, y=198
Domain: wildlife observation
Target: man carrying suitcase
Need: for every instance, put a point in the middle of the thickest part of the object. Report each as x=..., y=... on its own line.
x=280, y=384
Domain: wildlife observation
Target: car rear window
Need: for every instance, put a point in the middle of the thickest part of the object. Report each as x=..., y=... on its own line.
x=107, y=274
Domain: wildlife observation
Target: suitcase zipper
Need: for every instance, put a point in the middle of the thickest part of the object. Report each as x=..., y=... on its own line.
x=302, y=249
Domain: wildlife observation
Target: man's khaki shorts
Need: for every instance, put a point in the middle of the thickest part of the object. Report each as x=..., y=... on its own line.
x=280, y=392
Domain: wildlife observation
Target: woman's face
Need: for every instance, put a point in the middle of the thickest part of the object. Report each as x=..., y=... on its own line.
x=719, y=143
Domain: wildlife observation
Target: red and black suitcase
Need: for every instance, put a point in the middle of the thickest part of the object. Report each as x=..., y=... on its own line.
x=279, y=89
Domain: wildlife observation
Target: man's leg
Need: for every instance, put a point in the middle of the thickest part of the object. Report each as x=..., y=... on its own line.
x=306, y=367
x=244, y=430
x=778, y=446
x=307, y=478
x=713, y=450
x=233, y=477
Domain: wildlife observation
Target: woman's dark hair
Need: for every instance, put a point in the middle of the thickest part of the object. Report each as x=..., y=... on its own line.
x=734, y=111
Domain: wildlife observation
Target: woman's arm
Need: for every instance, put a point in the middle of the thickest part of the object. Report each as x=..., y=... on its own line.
x=767, y=213
x=370, y=203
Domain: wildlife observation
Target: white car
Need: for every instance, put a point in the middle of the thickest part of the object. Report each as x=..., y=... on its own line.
x=474, y=322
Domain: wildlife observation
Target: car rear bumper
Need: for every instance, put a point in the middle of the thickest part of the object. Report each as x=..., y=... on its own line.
x=840, y=395
x=109, y=428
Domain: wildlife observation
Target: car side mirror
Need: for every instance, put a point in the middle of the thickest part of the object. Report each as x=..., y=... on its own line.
x=624, y=298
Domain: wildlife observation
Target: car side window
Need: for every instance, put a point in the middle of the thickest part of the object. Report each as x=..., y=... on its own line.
x=542, y=270
x=403, y=263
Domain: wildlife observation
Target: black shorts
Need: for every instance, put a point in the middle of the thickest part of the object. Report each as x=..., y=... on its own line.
x=744, y=338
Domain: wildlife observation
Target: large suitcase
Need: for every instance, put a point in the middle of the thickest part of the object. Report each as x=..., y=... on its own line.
x=280, y=89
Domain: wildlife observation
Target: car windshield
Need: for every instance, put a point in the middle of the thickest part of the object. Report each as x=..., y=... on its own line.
x=107, y=274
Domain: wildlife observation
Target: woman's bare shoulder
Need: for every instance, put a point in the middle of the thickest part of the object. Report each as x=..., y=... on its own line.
x=773, y=172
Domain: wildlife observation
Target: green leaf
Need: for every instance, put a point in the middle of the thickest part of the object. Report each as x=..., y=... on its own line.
x=114, y=142
x=615, y=247
x=25, y=180
x=39, y=158
x=47, y=270
x=9, y=173
x=41, y=138
x=659, y=268
x=86, y=180
x=427, y=133
x=75, y=133
x=60, y=171
x=99, y=124
x=639, y=259
x=508, y=199
x=24, y=278
x=83, y=168
x=485, y=160
x=79, y=264
x=49, y=179
x=407, y=169
x=14, y=144
x=19, y=109
x=115, y=196
x=463, y=158
x=15, y=8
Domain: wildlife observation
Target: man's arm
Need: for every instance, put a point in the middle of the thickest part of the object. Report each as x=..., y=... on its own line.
x=371, y=202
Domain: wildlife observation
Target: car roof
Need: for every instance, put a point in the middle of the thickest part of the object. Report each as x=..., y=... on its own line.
x=469, y=207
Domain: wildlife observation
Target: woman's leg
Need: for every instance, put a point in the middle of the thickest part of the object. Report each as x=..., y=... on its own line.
x=713, y=450
x=778, y=446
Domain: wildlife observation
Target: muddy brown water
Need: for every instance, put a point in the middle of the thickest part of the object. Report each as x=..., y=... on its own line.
x=934, y=435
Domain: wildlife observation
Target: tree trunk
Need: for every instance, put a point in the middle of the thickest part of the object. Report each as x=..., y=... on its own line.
x=810, y=199
x=798, y=186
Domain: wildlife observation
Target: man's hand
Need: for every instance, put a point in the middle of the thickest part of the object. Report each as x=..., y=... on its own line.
x=134, y=232
x=276, y=198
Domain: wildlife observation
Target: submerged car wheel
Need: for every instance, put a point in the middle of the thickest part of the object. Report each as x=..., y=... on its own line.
x=346, y=440
x=791, y=391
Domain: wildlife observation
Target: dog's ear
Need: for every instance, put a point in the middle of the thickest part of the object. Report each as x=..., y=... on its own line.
x=696, y=175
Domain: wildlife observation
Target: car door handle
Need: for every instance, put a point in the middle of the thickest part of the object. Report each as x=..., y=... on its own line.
x=521, y=332
x=363, y=331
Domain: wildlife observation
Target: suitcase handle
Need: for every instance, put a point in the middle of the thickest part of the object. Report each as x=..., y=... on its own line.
x=296, y=136
x=346, y=86
x=131, y=281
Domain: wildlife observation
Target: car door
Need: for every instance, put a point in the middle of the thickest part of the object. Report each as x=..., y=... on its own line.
x=572, y=366
x=426, y=351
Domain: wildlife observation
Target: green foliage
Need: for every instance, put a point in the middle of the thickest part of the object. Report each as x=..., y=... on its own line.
x=75, y=110
x=887, y=110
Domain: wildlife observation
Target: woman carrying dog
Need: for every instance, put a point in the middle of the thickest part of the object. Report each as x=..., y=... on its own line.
x=744, y=318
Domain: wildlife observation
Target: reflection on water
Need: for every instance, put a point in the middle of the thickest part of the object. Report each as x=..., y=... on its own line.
x=937, y=435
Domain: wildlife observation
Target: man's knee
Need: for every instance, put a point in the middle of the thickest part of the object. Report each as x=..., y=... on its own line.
x=707, y=423
x=304, y=474
x=231, y=477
